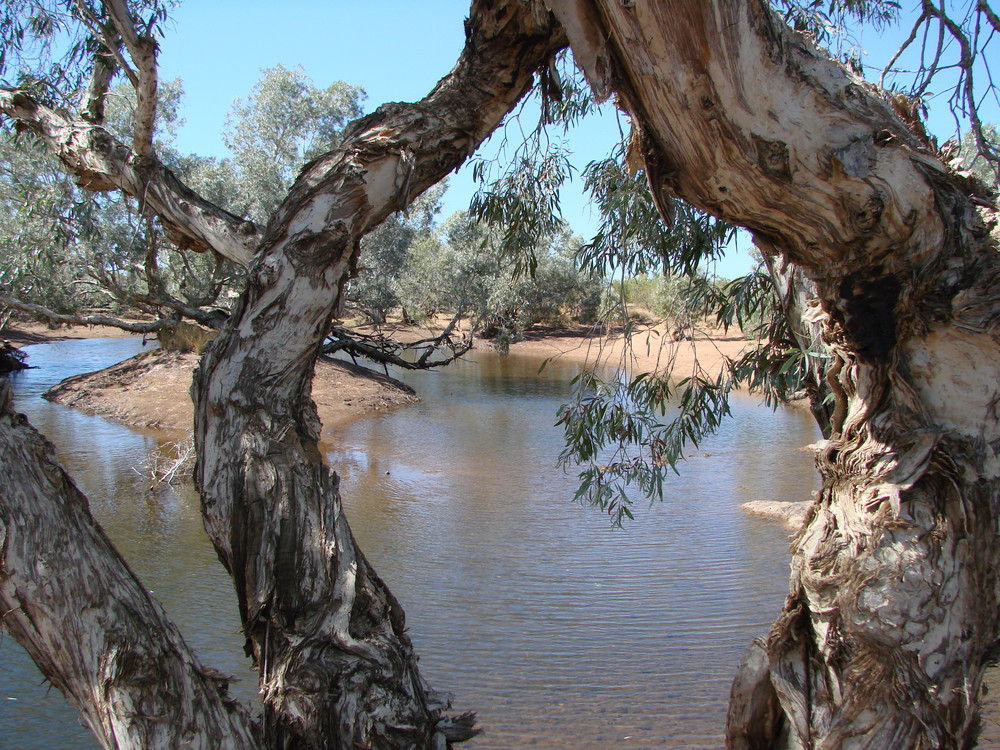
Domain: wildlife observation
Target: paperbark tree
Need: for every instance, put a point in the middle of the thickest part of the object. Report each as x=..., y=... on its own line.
x=336, y=666
x=892, y=612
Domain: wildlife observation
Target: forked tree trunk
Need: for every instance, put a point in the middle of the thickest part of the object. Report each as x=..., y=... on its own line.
x=336, y=666
x=337, y=669
x=892, y=611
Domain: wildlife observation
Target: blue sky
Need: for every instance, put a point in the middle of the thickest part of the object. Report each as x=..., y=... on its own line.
x=397, y=50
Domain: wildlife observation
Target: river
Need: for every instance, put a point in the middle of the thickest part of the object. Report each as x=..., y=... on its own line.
x=560, y=631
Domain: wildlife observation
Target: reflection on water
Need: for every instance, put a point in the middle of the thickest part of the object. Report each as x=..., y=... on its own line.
x=557, y=629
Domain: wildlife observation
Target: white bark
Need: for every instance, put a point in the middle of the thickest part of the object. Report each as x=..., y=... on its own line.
x=99, y=162
x=893, y=606
x=69, y=598
x=142, y=50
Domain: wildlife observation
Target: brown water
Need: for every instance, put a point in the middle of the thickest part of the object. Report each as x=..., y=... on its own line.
x=560, y=631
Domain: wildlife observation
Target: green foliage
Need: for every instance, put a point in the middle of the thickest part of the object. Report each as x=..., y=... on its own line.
x=825, y=19
x=385, y=253
x=282, y=124
x=47, y=46
x=972, y=155
x=519, y=197
x=523, y=205
x=120, y=109
x=43, y=219
x=633, y=239
x=619, y=431
x=626, y=433
x=565, y=96
x=462, y=269
x=776, y=366
x=71, y=250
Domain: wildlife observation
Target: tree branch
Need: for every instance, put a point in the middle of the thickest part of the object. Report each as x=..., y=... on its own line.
x=210, y=319
x=990, y=14
x=88, y=622
x=107, y=37
x=752, y=122
x=101, y=163
x=100, y=79
x=83, y=320
x=142, y=50
x=319, y=621
x=386, y=351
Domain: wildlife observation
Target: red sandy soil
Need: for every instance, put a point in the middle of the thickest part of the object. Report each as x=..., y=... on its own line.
x=152, y=389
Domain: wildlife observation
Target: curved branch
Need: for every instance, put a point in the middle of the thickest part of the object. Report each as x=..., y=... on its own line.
x=752, y=122
x=101, y=163
x=209, y=318
x=83, y=320
x=106, y=36
x=990, y=14
x=321, y=624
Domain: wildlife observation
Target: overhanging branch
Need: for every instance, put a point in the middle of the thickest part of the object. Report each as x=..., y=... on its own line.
x=387, y=351
x=84, y=320
x=101, y=163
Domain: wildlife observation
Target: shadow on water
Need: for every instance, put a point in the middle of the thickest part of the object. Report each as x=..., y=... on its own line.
x=559, y=630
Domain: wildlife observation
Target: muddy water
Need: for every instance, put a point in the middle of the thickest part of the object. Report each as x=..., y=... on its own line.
x=559, y=630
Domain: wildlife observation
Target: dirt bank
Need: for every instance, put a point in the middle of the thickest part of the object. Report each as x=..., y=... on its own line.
x=21, y=334
x=152, y=389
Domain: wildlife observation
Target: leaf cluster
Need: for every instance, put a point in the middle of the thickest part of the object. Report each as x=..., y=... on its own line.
x=620, y=432
x=633, y=239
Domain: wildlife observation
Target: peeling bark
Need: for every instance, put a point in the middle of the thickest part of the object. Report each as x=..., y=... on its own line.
x=100, y=163
x=69, y=598
x=336, y=664
x=892, y=612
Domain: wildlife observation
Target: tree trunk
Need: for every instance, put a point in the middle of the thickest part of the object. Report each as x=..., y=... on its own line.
x=892, y=611
x=92, y=629
x=336, y=666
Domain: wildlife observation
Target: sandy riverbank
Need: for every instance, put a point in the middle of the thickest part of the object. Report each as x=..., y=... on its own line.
x=152, y=390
